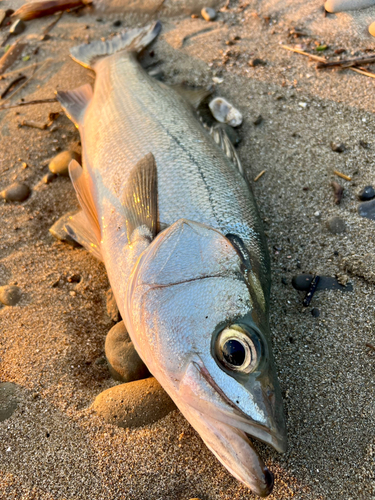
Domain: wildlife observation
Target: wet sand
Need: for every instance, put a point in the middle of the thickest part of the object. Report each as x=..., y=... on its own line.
x=52, y=342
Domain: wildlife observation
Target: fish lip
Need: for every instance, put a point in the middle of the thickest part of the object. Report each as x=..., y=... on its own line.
x=263, y=433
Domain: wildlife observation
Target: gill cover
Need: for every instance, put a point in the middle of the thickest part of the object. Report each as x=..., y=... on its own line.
x=187, y=298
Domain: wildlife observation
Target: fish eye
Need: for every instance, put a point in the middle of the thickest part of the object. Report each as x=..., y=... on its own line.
x=237, y=349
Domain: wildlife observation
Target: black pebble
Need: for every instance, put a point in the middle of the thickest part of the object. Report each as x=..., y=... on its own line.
x=367, y=209
x=117, y=23
x=315, y=312
x=284, y=281
x=367, y=193
x=258, y=120
x=257, y=62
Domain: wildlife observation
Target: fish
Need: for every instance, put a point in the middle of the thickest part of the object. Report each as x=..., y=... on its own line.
x=167, y=206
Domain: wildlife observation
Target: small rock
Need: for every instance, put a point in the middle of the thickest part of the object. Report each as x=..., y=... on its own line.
x=224, y=112
x=112, y=308
x=364, y=144
x=338, y=191
x=208, y=13
x=367, y=193
x=315, y=312
x=74, y=278
x=123, y=360
x=338, y=147
x=48, y=178
x=367, y=209
x=257, y=62
x=317, y=214
x=336, y=225
x=10, y=295
x=117, y=23
x=60, y=164
x=134, y=404
x=16, y=192
x=17, y=27
x=258, y=120
x=58, y=229
x=284, y=281
x=8, y=400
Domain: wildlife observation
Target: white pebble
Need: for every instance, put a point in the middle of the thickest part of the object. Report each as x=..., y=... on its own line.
x=208, y=14
x=224, y=112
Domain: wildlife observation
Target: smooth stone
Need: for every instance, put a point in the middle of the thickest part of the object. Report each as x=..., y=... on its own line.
x=60, y=164
x=224, y=112
x=10, y=295
x=134, y=404
x=124, y=363
x=315, y=312
x=8, y=400
x=59, y=232
x=343, y=5
x=112, y=308
x=208, y=14
x=360, y=265
x=367, y=209
x=371, y=29
x=48, y=178
x=338, y=148
x=367, y=193
x=302, y=283
x=336, y=225
x=16, y=192
x=17, y=27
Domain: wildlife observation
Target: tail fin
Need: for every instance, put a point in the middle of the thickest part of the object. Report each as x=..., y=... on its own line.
x=134, y=40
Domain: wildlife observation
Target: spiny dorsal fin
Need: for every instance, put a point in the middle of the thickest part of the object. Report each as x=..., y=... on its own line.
x=193, y=95
x=81, y=185
x=139, y=198
x=134, y=40
x=79, y=228
x=74, y=102
x=221, y=138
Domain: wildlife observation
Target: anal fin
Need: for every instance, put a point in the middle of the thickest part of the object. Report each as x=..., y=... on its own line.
x=75, y=102
x=81, y=184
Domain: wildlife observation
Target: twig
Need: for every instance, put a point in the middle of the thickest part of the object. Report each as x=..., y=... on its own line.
x=363, y=72
x=32, y=76
x=27, y=103
x=298, y=51
x=346, y=63
x=32, y=10
x=370, y=346
x=50, y=27
x=33, y=124
x=259, y=175
x=343, y=176
x=23, y=69
x=11, y=84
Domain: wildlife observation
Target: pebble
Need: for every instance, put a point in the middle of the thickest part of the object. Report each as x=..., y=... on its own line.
x=112, y=308
x=48, y=178
x=8, y=400
x=123, y=361
x=315, y=312
x=371, y=29
x=367, y=209
x=336, y=225
x=117, y=23
x=367, y=193
x=224, y=112
x=338, y=147
x=343, y=5
x=134, y=404
x=17, y=27
x=60, y=164
x=16, y=192
x=10, y=295
x=58, y=231
x=258, y=120
x=257, y=62
x=302, y=283
x=208, y=14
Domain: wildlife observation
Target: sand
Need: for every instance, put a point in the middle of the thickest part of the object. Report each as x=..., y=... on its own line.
x=52, y=343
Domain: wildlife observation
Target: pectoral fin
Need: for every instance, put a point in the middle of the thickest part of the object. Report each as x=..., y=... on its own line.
x=79, y=228
x=139, y=197
x=193, y=95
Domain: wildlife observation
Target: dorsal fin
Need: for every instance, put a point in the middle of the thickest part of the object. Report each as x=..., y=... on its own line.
x=139, y=197
x=74, y=102
x=81, y=185
x=221, y=138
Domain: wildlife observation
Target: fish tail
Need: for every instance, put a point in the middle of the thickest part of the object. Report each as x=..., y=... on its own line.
x=134, y=40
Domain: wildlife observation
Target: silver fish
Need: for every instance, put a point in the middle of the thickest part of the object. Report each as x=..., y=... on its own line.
x=167, y=207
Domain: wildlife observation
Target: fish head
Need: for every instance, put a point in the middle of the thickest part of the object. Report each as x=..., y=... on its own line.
x=192, y=318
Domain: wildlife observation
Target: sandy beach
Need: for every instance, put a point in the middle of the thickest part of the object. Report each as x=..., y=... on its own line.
x=54, y=446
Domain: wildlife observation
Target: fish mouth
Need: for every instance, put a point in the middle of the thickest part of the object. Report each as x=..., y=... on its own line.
x=224, y=429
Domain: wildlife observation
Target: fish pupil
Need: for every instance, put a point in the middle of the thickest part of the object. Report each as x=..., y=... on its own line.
x=234, y=352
